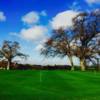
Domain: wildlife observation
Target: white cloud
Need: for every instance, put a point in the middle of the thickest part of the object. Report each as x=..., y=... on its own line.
x=31, y=18
x=63, y=19
x=93, y=2
x=38, y=34
x=39, y=47
x=75, y=6
x=34, y=33
x=2, y=16
x=14, y=34
x=43, y=13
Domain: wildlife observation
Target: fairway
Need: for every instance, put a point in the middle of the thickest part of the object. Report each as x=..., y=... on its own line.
x=49, y=85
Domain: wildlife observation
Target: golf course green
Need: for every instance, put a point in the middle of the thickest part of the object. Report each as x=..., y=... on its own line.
x=49, y=85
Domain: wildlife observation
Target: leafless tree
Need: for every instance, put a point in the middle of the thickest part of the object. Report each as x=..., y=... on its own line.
x=87, y=37
x=59, y=44
x=81, y=40
x=10, y=50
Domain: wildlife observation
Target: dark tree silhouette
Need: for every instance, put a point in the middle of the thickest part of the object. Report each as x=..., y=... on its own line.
x=10, y=50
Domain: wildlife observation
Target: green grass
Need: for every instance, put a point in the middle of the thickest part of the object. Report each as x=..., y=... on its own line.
x=49, y=85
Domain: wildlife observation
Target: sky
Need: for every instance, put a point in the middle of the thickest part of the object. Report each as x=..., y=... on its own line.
x=30, y=23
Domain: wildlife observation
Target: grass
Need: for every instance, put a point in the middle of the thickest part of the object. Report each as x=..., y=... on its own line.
x=49, y=85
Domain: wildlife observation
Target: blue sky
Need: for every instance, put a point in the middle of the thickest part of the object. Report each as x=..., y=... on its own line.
x=30, y=21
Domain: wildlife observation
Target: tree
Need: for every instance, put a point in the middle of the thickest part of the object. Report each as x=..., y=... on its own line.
x=59, y=44
x=9, y=51
x=86, y=30
x=81, y=40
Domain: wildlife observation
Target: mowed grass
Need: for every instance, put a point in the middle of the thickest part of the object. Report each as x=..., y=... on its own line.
x=49, y=85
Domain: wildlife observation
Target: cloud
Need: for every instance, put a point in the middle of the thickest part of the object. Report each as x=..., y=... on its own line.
x=63, y=19
x=14, y=34
x=31, y=18
x=43, y=13
x=2, y=16
x=90, y=2
x=39, y=47
x=37, y=33
x=75, y=6
x=34, y=33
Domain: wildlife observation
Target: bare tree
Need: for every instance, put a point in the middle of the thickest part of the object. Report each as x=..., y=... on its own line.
x=87, y=36
x=59, y=45
x=10, y=50
x=82, y=40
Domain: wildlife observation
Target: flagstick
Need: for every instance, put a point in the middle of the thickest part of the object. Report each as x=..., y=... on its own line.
x=40, y=76
x=41, y=70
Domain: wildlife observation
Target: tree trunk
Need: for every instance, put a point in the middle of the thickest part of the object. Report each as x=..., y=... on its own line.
x=9, y=64
x=82, y=64
x=98, y=65
x=71, y=61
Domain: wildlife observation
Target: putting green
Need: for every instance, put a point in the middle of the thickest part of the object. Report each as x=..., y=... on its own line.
x=49, y=85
